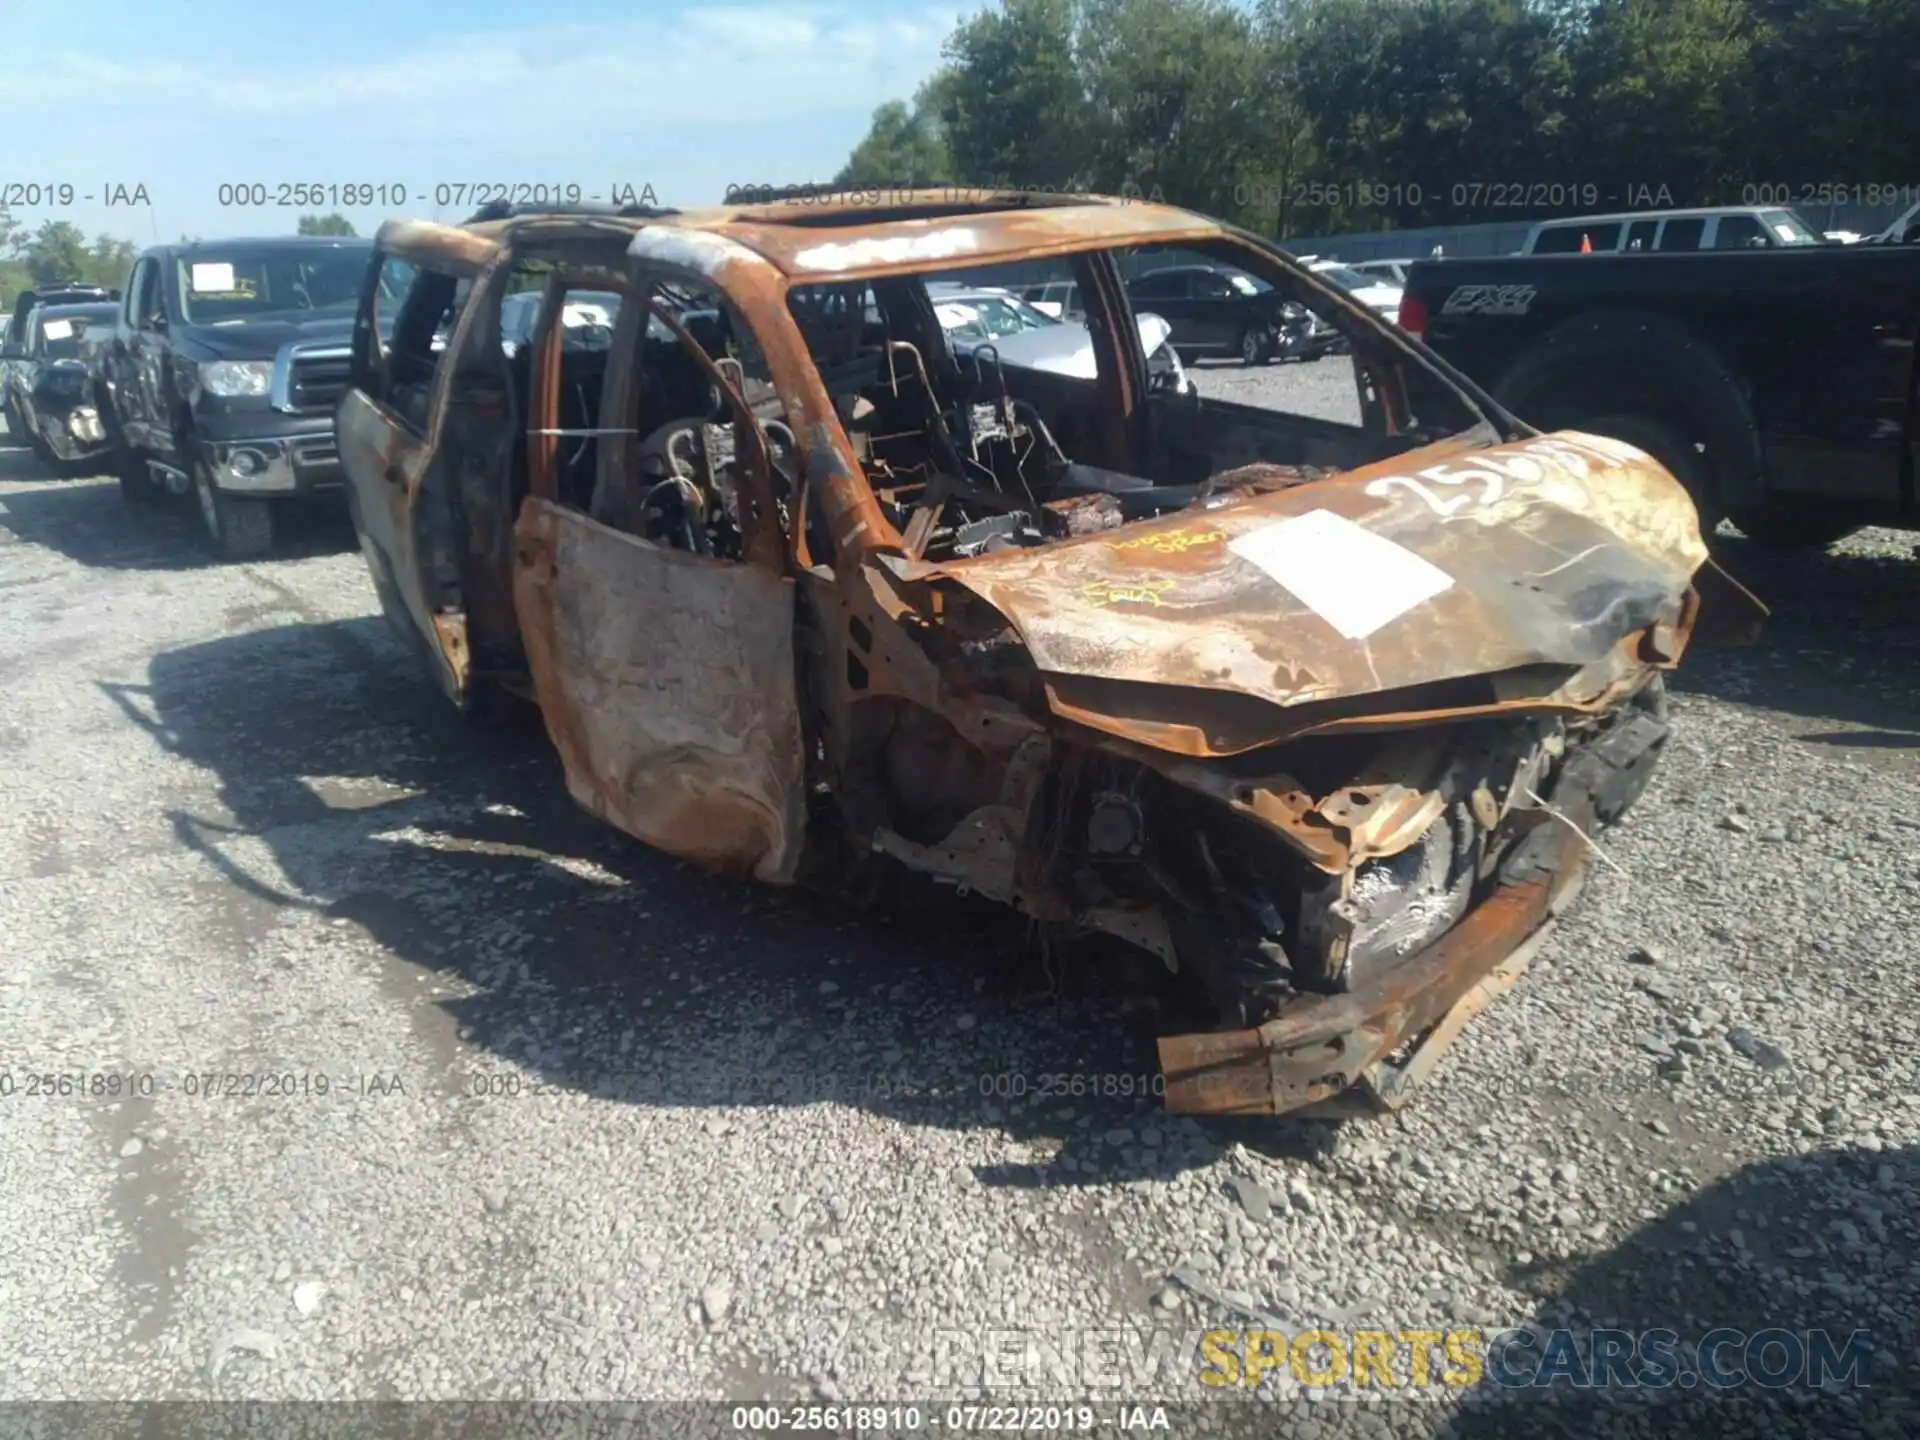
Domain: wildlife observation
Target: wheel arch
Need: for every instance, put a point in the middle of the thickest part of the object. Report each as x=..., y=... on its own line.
x=1615, y=362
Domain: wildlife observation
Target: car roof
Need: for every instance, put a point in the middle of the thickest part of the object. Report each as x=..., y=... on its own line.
x=819, y=240
x=1699, y=213
x=77, y=307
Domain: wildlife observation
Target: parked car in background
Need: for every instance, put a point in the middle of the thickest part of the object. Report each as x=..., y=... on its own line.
x=1058, y=298
x=230, y=358
x=985, y=313
x=976, y=321
x=1394, y=272
x=1725, y=227
x=1905, y=228
x=1218, y=311
x=50, y=389
x=1296, y=707
x=13, y=343
x=587, y=319
x=1777, y=384
x=1378, y=295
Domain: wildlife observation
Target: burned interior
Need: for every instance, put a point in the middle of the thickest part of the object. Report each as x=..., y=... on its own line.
x=805, y=590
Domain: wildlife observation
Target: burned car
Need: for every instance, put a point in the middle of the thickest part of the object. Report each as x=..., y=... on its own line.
x=1322, y=713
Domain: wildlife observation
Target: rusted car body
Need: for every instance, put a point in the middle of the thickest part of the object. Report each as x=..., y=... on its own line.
x=1323, y=714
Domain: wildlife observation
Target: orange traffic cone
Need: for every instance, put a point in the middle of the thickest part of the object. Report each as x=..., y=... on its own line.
x=1586, y=244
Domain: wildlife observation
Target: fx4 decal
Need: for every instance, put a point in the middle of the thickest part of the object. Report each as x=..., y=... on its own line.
x=1490, y=300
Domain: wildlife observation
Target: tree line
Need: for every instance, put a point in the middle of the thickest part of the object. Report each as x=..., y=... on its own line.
x=58, y=252
x=1301, y=117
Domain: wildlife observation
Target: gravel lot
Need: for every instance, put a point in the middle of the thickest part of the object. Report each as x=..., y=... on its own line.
x=1322, y=388
x=599, y=1127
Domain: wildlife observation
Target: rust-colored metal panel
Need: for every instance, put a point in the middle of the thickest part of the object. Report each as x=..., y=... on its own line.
x=385, y=466
x=453, y=248
x=1445, y=563
x=667, y=682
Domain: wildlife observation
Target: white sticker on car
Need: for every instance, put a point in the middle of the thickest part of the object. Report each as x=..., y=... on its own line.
x=57, y=329
x=211, y=278
x=1353, y=579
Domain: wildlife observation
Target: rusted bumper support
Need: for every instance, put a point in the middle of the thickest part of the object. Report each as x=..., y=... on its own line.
x=1321, y=1046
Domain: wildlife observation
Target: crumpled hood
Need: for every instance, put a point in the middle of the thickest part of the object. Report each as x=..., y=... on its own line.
x=1444, y=563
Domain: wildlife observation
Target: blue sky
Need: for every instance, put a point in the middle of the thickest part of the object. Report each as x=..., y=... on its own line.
x=183, y=96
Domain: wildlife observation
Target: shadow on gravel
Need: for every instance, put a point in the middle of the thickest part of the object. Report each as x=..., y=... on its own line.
x=1824, y=1242
x=607, y=967
x=1843, y=644
x=87, y=521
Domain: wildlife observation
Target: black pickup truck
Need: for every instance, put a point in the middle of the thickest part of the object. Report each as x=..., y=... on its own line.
x=1778, y=384
x=223, y=377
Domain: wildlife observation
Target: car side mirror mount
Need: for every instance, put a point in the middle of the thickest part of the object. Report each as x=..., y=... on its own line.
x=13, y=352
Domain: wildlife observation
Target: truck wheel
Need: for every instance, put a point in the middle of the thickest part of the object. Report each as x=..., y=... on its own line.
x=1639, y=369
x=1255, y=345
x=1792, y=527
x=136, y=481
x=237, y=529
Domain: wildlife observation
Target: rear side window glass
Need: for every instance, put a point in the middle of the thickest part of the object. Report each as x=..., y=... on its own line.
x=1682, y=234
x=1565, y=239
x=1739, y=232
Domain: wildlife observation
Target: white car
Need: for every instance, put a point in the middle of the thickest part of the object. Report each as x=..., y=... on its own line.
x=1393, y=272
x=1376, y=294
x=1030, y=339
x=587, y=317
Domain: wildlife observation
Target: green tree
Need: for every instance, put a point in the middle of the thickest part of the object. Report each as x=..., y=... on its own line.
x=334, y=224
x=1171, y=111
x=55, y=253
x=1322, y=115
x=109, y=261
x=1832, y=92
x=1663, y=92
x=1418, y=106
x=1014, y=110
x=903, y=145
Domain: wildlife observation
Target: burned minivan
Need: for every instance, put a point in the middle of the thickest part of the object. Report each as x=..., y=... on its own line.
x=1319, y=695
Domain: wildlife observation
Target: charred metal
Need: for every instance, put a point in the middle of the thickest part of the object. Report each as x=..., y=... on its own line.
x=1323, y=716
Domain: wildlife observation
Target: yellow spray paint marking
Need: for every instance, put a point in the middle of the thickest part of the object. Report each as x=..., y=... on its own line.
x=1173, y=542
x=1110, y=592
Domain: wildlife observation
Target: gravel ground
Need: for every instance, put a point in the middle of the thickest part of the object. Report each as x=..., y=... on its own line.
x=598, y=1127
x=1322, y=388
